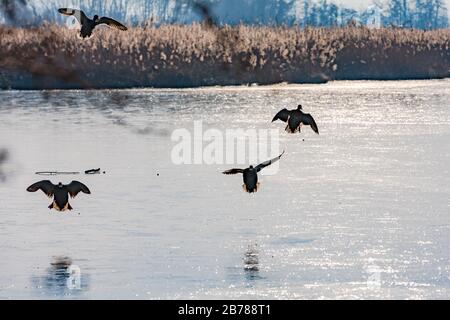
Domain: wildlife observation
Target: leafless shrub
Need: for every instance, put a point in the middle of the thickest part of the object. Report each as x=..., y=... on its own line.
x=185, y=56
x=3, y=159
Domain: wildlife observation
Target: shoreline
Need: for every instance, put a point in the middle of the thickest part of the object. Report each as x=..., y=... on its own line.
x=244, y=87
x=194, y=56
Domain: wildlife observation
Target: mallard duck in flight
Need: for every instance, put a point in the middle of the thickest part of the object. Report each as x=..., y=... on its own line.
x=250, y=174
x=295, y=119
x=88, y=25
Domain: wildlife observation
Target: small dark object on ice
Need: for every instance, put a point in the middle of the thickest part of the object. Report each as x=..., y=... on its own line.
x=93, y=171
x=55, y=173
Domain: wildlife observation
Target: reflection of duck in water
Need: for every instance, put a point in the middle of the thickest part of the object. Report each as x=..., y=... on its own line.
x=250, y=174
x=61, y=263
x=58, y=273
x=62, y=278
x=60, y=193
x=251, y=259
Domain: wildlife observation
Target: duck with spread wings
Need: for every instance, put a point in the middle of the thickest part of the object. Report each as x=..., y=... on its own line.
x=295, y=119
x=250, y=174
x=60, y=193
x=88, y=25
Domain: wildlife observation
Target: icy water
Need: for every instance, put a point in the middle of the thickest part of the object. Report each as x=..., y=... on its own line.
x=361, y=211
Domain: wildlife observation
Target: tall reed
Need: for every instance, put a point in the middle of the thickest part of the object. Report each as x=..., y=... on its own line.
x=196, y=55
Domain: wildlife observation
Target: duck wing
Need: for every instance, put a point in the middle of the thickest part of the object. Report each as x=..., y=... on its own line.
x=78, y=14
x=112, y=23
x=46, y=186
x=283, y=115
x=309, y=121
x=268, y=163
x=76, y=187
x=233, y=171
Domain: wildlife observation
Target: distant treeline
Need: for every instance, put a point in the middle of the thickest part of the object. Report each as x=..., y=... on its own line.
x=418, y=14
x=200, y=55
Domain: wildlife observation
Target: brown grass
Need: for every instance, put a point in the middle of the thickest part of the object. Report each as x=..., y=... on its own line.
x=189, y=56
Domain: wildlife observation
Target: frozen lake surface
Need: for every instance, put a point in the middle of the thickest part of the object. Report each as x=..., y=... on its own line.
x=361, y=211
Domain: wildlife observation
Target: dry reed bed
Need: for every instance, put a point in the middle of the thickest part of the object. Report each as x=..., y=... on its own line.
x=189, y=56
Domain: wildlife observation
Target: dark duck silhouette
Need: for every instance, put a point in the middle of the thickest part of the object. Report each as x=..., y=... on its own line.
x=295, y=119
x=88, y=25
x=251, y=184
x=60, y=193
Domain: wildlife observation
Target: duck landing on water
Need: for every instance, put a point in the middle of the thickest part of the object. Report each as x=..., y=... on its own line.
x=251, y=184
x=295, y=120
x=88, y=25
x=60, y=193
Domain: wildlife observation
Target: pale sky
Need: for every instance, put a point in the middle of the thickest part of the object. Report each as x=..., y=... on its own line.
x=361, y=4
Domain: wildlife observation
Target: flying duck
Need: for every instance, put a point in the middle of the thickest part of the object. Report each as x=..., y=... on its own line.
x=250, y=174
x=60, y=193
x=295, y=119
x=88, y=25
